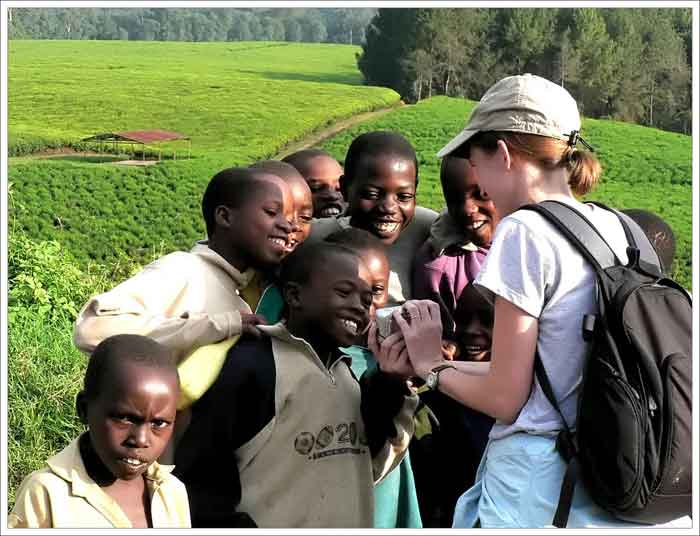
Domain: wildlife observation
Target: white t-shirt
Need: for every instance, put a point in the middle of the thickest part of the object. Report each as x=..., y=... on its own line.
x=533, y=266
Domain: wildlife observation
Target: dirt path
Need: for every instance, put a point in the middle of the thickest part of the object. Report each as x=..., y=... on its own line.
x=311, y=140
x=321, y=135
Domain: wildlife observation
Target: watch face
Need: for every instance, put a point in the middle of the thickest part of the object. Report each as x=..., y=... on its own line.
x=431, y=380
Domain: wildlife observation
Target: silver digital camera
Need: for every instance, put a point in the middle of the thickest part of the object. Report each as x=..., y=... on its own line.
x=386, y=325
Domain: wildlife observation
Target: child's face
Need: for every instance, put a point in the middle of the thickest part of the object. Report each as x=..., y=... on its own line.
x=303, y=214
x=466, y=202
x=378, y=266
x=474, y=320
x=131, y=420
x=262, y=229
x=337, y=300
x=382, y=196
x=324, y=180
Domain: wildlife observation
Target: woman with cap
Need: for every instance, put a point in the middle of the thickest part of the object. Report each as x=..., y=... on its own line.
x=523, y=139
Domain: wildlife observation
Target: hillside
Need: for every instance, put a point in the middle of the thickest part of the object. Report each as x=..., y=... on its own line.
x=239, y=102
x=642, y=167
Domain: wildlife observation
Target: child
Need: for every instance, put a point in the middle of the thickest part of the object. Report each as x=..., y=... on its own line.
x=187, y=300
x=659, y=233
x=379, y=183
x=301, y=195
x=287, y=414
x=322, y=172
x=108, y=476
x=439, y=481
x=395, y=500
x=459, y=240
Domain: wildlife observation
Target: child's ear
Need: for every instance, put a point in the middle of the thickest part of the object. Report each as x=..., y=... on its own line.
x=81, y=406
x=223, y=216
x=292, y=296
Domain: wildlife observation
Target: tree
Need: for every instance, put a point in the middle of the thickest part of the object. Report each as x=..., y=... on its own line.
x=315, y=31
x=388, y=42
x=293, y=30
x=598, y=80
x=527, y=33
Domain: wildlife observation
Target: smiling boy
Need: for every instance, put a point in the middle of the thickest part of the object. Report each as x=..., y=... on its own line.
x=289, y=417
x=380, y=183
x=322, y=172
x=185, y=300
x=108, y=476
x=458, y=243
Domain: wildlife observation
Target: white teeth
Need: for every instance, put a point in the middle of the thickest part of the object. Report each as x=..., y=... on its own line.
x=386, y=227
x=133, y=461
x=478, y=224
x=278, y=241
x=331, y=211
x=351, y=325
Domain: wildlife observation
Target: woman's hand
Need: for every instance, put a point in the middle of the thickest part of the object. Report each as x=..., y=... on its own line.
x=391, y=353
x=422, y=335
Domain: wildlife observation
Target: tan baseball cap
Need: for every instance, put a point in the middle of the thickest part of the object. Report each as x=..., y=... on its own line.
x=524, y=103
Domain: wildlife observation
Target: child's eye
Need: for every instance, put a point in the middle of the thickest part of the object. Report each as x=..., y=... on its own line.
x=125, y=419
x=271, y=211
x=370, y=195
x=403, y=198
x=343, y=293
x=306, y=218
x=378, y=291
x=158, y=423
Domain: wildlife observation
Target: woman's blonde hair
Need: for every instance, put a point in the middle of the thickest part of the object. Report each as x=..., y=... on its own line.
x=583, y=166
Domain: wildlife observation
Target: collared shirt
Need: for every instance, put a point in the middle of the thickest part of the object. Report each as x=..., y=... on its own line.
x=63, y=495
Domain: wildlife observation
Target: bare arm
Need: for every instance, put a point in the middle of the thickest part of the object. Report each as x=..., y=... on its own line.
x=475, y=368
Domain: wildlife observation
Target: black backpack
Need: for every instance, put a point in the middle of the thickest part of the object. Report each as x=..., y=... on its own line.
x=632, y=446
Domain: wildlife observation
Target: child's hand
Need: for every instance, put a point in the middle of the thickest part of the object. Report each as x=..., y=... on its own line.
x=423, y=335
x=249, y=323
x=450, y=350
x=391, y=354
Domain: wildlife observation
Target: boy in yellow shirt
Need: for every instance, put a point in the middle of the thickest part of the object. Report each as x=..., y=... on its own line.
x=109, y=476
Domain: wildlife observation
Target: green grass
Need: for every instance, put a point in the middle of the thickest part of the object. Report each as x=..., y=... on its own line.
x=44, y=372
x=642, y=167
x=239, y=102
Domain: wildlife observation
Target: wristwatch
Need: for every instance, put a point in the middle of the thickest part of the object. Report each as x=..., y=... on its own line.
x=433, y=377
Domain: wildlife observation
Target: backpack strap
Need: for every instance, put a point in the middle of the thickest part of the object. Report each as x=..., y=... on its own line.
x=566, y=446
x=649, y=260
x=579, y=231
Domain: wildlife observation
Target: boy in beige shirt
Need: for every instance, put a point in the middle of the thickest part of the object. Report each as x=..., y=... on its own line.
x=108, y=476
x=185, y=300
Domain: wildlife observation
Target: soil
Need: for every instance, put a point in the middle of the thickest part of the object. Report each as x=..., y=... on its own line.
x=319, y=136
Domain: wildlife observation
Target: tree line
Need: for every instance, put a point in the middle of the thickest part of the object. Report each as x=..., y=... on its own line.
x=186, y=24
x=619, y=63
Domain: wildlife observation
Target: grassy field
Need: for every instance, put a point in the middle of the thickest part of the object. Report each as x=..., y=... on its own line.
x=239, y=102
x=642, y=167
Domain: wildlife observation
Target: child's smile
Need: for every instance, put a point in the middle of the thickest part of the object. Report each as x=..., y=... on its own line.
x=382, y=196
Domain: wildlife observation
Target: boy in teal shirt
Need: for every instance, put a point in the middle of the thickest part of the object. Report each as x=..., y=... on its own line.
x=395, y=499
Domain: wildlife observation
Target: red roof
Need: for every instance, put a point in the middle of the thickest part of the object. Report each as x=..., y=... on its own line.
x=140, y=136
